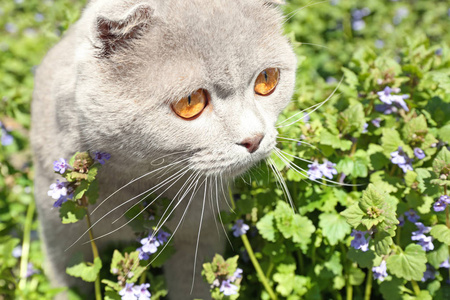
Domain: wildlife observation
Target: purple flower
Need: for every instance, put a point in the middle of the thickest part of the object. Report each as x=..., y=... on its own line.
x=314, y=171
x=327, y=169
x=150, y=244
x=419, y=153
x=359, y=241
x=127, y=293
x=425, y=241
x=438, y=52
x=228, y=289
x=441, y=203
x=7, y=139
x=401, y=159
x=17, y=251
x=379, y=44
x=400, y=14
x=445, y=264
x=358, y=25
x=412, y=216
x=141, y=291
x=380, y=271
x=31, y=270
x=142, y=255
x=39, y=17
x=391, y=102
x=401, y=220
x=239, y=228
x=365, y=128
x=60, y=166
x=163, y=236
x=237, y=274
x=376, y=122
x=430, y=273
x=58, y=189
x=101, y=157
x=422, y=229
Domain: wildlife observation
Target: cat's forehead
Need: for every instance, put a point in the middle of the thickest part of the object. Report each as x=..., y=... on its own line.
x=226, y=40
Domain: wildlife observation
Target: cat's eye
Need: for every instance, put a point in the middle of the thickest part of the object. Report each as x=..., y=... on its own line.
x=267, y=81
x=191, y=106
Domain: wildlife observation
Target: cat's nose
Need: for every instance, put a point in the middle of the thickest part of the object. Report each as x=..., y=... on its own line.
x=252, y=143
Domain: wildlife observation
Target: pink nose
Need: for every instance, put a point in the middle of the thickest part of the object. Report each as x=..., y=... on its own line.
x=252, y=143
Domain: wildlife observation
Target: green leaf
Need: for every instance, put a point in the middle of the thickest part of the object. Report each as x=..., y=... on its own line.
x=350, y=78
x=345, y=165
x=70, y=212
x=266, y=227
x=356, y=276
x=392, y=289
x=333, y=140
x=353, y=118
x=441, y=165
x=441, y=233
x=415, y=127
x=87, y=272
x=383, y=242
x=363, y=259
x=92, y=173
x=80, y=190
x=409, y=264
x=92, y=192
x=410, y=178
x=391, y=140
x=361, y=163
x=438, y=256
x=334, y=227
x=444, y=133
x=353, y=214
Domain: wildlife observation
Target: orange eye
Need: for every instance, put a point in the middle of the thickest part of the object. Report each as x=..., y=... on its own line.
x=191, y=106
x=267, y=81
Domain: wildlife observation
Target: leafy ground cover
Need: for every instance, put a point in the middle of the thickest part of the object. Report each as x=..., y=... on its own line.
x=367, y=171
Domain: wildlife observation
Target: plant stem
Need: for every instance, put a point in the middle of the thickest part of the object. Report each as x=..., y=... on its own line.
x=258, y=269
x=368, y=290
x=415, y=287
x=143, y=277
x=26, y=245
x=98, y=288
x=349, y=290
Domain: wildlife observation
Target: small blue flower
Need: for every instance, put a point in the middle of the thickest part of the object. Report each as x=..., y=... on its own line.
x=401, y=220
x=141, y=291
x=31, y=270
x=412, y=216
x=39, y=17
x=380, y=272
x=328, y=169
x=150, y=244
x=17, y=251
x=58, y=189
x=401, y=159
x=422, y=229
x=127, y=293
x=438, y=52
x=314, y=171
x=365, y=128
x=358, y=25
x=6, y=139
x=359, y=241
x=60, y=166
x=101, y=157
x=391, y=102
x=430, y=273
x=237, y=274
x=400, y=14
x=376, y=122
x=419, y=153
x=11, y=28
x=441, y=203
x=163, y=236
x=425, y=241
x=240, y=228
x=379, y=44
x=445, y=264
x=228, y=289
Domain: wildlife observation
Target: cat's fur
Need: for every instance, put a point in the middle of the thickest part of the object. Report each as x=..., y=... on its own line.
x=108, y=86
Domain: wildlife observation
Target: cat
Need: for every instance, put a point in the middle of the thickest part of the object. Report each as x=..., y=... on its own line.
x=195, y=85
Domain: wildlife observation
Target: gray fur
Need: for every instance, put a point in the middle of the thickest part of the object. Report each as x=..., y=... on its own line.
x=108, y=86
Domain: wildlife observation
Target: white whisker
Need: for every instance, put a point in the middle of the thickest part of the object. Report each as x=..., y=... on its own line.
x=220, y=216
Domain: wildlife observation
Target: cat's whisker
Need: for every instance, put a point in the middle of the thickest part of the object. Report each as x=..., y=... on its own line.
x=173, y=177
x=211, y=203
x=154, y=162
x=300, y=112
x=224, y=195
x=220, y=216
x=198, y=237
x=288, y=154
x=303, y=172
x=282, y=182
x=136, y=179
x=132, y=219
x=292, y=14
x=194, y=191
x=316, y=108
x=298, y=141
x=120, y=205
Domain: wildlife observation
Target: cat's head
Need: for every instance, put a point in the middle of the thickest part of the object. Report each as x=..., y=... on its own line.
x=205, y=79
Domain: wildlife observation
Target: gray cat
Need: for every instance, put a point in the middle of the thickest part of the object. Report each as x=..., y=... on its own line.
x=196, y=84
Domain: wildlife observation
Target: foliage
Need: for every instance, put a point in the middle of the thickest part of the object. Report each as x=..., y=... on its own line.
x=303, y=250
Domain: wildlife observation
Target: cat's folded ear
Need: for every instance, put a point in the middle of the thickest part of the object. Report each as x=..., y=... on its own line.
x=118, y=32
